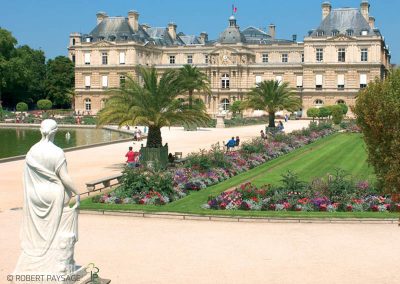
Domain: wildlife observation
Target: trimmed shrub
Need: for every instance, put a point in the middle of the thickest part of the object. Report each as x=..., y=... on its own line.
x=21, y=106
x=44, y=104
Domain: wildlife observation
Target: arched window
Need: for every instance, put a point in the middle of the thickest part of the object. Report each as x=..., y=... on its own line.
x=318, y=103
x=225, y=104
x=340, y=102
x=88, y=104
x=225, y=81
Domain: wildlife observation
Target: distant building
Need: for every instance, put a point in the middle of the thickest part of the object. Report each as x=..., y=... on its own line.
x=330, y=66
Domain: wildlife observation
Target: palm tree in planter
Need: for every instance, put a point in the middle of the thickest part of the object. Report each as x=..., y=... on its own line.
x=153, y=103
x=272, y=96
x=192, y=79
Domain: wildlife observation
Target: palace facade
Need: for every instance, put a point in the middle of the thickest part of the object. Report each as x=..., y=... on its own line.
x=330, y=66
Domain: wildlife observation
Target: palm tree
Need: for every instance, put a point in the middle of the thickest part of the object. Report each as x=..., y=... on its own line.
x=152, y=103
x=191, y=79
x=272, y=96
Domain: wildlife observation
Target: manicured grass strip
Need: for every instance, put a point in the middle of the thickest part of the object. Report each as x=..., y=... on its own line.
x=330, y=151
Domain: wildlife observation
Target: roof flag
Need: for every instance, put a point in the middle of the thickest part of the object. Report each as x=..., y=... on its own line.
x=234, y=9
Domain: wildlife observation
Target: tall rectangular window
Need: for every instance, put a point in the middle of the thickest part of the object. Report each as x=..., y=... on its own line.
x=104, y=81
x=265, y=58
x=364, y=54
x=318, y=82
x=87, y=58
x=189, y=59
x=87, y=82
x=258, y=79
x=302, y=57
x=342, y=55
x=122, y=58
x=206, y=59
x=73, y=59
x=319, y=55
x=299, y=81
x=340, y=81
x=104, y=58
x=363, y=81
x=284, y=57
x=172, y=59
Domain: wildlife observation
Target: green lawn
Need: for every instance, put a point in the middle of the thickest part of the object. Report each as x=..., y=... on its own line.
x=345, y=151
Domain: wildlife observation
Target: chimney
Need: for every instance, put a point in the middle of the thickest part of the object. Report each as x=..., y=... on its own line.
x=172, y=30
x=364, y=6
x=294, y=38
x=326, y=9
x=101, y=16
x=371, y=22
x=146, y=27
x=203, y=37
x=133, y=19
x=271, y=31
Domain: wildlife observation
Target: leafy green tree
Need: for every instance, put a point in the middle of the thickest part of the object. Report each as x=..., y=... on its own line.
x=21, y=106
x=313, y=112
x=59, y=81
x=337, y=114
x=324, y=112
x=7, y=46
x=236, y=108
x=153, y=104
x=44, y=104
x=377, y=110
x=272, y=96
x=192, y=79
x=344, y=107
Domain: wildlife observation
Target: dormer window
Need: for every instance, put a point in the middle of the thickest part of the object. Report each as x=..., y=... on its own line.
x=112, y=38
x=100, y=38
x=124, y=37
x=88, y=39
x=335, y=32
x=364, y=32
x=350, y=32
x=320, y=33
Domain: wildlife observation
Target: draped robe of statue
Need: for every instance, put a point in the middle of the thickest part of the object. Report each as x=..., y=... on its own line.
x=49, y=226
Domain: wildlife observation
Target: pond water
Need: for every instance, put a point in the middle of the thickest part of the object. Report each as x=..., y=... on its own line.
x=18, y=141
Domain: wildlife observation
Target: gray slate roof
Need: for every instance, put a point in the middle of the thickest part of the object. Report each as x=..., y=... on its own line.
x=342, y=20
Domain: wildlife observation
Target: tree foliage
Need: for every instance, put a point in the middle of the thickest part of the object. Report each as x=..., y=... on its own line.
x=21, y=106
x=272, y=96
x=313, y=112
x=154, y=104
x=337, y=114
x=44, y=104
x=324, y=112
x=378, y=114
x=236, y=107
x=192, y=79
x=59, y=81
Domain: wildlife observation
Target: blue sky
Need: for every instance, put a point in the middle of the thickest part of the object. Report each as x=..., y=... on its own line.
x=46, y=24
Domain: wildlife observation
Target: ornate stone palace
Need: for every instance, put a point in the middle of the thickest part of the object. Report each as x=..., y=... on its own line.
x=330, y=66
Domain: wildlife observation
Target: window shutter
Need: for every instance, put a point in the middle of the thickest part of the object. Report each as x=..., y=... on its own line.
x=299, y=81
x=87, y=81
x=258, y=79
x=363, y=79
x=87, y=57
x=340, y=79
x=105, y=81
x=318, y=80
x=122, y=58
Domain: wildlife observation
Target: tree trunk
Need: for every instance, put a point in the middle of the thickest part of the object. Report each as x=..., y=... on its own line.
x=190, y=99
x=271, y=117
x=154, y=139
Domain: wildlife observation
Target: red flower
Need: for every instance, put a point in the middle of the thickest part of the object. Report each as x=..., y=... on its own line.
x=349, y=208
x=222, y=205
x=322, y=207
x=374, y=208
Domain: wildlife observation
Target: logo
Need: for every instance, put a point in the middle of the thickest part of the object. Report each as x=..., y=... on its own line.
x=94, y=276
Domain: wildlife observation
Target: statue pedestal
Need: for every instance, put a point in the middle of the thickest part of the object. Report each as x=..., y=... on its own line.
x=220, y=121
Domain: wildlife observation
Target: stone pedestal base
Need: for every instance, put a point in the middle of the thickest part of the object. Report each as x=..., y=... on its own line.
x=220, y=121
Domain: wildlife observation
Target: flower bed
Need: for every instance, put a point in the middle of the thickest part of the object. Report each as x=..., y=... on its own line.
x=206, y=168
x=335, y=194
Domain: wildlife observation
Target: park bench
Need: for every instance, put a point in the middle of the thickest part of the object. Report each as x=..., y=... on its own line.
x=106, y=182
x=178, y=159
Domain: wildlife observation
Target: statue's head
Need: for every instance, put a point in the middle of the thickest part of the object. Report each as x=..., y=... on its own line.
x=48, y=128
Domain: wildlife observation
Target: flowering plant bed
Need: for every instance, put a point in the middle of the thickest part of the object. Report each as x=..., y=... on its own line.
x=205, y=168
x=337, y=193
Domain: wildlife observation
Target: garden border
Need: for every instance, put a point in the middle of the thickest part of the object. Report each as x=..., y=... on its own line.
x=215, y=218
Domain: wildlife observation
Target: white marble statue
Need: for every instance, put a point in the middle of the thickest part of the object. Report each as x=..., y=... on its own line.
x=49, y=227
